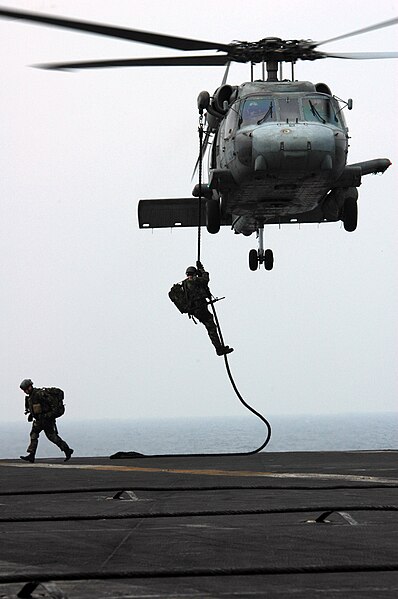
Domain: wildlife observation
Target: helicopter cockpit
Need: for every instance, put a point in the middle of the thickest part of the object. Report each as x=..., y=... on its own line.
x=318, y=108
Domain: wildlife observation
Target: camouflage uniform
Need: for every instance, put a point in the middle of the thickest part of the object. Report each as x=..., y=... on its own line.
x=38, y=406
x=197, y=291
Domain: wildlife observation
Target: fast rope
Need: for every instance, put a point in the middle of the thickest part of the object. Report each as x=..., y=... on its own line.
x=211, y=301
x=133, y=454
x=200, y=165
x=235, y=388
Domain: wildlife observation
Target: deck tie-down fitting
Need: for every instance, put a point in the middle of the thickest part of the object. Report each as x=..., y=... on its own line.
x=50, y=587
x=322, y=518
x=131, y=496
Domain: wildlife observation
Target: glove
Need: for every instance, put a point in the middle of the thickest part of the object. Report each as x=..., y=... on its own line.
x=30, y=417
x=199, y=265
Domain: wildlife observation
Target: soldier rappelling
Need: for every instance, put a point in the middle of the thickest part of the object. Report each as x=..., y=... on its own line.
x=192, y=296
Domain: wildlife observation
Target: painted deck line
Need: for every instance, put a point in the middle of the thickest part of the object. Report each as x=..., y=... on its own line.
x=208, y=472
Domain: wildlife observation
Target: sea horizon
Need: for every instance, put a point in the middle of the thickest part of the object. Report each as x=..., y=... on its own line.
x=183, y=435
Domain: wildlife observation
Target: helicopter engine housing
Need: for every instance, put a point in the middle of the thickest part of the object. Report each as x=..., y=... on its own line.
x=224, y=94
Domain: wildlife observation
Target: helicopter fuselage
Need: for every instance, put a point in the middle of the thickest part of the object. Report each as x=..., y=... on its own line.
x=279, y=149
x=278, y=155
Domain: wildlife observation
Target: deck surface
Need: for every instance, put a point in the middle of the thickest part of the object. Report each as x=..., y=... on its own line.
x=214, y=526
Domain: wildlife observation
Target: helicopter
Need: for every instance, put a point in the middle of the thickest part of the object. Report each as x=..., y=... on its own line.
x=277, y=148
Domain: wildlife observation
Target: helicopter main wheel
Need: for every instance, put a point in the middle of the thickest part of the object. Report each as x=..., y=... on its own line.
x=213, y=216
x=268, y=259
x=350, y=214
x=253, y=260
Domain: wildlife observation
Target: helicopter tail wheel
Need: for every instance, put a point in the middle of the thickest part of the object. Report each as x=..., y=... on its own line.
x=268, y=259
x=350, y=214
x=253, y=260
x=213, y=216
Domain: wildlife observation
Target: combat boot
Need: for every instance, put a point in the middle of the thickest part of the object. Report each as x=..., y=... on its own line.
x=28, y=458
x=68, y=454
x=224, y=350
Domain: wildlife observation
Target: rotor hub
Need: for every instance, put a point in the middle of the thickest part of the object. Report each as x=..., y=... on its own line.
x=274, y=48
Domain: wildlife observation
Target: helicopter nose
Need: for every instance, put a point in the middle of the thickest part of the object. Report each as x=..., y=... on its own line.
x=290, y=150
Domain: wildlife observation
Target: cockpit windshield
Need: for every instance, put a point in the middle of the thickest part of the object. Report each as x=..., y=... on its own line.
x=291, y=109
x=319, y=110
x=257, y=110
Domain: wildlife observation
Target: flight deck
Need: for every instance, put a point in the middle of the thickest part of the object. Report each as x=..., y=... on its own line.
x=309, y=524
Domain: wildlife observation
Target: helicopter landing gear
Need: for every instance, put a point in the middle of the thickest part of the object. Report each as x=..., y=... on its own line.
x=268, y=259
x=261, y=256
x=213, y=216
x=253, y=260
x=350, y=214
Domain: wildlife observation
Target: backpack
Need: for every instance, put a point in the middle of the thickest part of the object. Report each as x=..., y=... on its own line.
x=179, y=297
x=55, y=398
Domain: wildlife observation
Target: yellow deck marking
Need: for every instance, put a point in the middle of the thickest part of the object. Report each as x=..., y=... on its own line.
x=211, y=472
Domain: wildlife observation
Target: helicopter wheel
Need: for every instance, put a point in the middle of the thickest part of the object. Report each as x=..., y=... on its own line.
x=268, y=259
x=213, y=216
x=253, y=260
x=350, y=214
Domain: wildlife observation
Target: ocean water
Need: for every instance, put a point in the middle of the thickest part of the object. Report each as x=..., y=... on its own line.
x=204, y=435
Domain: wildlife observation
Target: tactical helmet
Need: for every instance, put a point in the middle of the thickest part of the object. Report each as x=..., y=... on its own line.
x=26, y=383
x=191, y=270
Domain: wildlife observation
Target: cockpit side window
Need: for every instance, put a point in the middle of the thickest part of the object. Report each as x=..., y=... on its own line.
x=257, y=110
x=319, y=110
x=230, y=121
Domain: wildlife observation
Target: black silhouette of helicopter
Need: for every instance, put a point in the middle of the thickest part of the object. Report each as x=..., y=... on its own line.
x=278, y=148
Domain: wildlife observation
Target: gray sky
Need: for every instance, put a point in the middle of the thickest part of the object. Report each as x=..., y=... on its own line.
x=83, y=299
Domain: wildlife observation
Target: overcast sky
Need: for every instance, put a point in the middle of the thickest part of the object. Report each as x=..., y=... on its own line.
x=83, y=299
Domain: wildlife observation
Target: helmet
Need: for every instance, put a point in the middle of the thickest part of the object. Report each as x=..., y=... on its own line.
x=191, y=270
x=26, y=383
x=253, y=108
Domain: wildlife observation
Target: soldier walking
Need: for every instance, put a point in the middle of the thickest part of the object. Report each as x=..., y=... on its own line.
x=42, y=413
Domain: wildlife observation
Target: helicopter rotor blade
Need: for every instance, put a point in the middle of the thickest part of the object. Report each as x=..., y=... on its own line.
x=135, y=35
x=161, y=61
x=360, y=31
x=236, y=51
x=363, y=55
